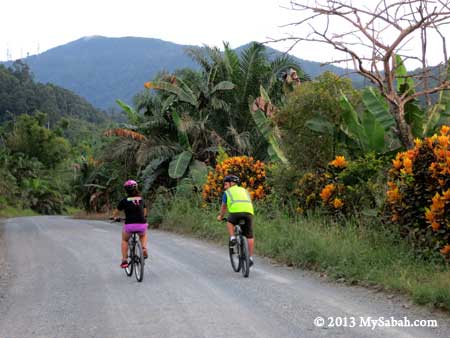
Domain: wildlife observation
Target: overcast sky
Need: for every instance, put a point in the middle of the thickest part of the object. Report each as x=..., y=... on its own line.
x=29, y=26
x=32, y=26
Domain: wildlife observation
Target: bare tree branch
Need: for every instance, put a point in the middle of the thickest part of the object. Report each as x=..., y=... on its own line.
x=372, y=35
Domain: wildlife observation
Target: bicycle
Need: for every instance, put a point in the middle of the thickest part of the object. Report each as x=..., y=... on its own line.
x=136, y=260
x=239, y=253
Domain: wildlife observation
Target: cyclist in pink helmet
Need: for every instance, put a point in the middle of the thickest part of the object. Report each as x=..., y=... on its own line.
x=135, y=219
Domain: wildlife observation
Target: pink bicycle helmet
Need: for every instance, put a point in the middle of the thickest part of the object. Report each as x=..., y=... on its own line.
x=130, y=185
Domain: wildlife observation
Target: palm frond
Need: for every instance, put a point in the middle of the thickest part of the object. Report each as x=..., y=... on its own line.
x=242, y=140
x=121, y=150
x=231, y=60
x=151, y=152
x=121, y=132
x=252, y=62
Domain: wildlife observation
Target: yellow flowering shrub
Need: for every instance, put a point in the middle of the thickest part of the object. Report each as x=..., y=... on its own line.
x=251, y=172
x=418, y=195
x=345, y=187
x=322, y=189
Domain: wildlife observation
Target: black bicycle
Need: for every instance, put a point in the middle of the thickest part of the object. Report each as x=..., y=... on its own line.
x=239, y=253
x=136, y=259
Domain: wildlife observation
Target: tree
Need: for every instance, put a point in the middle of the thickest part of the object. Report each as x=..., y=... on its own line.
x=307, y=147
x=374, y=37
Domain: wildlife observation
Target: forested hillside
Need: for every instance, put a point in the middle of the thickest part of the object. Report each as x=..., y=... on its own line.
x=20, y=94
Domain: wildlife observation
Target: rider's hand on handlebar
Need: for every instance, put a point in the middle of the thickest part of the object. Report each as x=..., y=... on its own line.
x=219, y=217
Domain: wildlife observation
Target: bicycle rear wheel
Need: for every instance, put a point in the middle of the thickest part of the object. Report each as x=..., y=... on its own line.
x=234, y=258
x=138, y=261
x=129, y=269
x=244, y=257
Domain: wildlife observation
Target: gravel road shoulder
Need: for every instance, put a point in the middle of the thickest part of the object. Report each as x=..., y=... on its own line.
x=5, y=269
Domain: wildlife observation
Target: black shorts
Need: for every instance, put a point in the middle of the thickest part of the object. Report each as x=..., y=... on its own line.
x=247, y=228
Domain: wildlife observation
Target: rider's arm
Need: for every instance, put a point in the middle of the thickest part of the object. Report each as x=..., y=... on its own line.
x=145, y=212
x=223, y=211
x=115, y=213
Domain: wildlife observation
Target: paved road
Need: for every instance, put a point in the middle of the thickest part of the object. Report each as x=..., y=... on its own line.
x=64, y=281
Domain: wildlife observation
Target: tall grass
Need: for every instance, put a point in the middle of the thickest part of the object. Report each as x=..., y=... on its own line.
x=9, y=211
x=351, y=250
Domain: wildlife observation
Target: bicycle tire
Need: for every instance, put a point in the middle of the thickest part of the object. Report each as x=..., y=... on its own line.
x=138, y=261
x=245, y=257
x=129, y=269
x=234, y=258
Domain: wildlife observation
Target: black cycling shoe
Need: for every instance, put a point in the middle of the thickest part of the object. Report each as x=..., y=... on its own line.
x=251, y=262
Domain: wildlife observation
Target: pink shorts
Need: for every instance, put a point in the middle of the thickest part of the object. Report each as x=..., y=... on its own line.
x=135, y=227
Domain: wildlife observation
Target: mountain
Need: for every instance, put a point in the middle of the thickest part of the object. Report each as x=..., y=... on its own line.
x=103, y=69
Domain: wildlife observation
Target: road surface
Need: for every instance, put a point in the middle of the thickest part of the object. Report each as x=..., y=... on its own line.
x=60, y=277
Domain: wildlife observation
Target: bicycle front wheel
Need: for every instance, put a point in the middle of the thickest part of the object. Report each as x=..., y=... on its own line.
x=245, y=257
x=139, y=262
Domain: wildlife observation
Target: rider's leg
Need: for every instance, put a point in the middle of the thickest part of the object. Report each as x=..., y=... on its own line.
x=251, y=245
x=124, y=246
x=143, y=238
x=230, y=227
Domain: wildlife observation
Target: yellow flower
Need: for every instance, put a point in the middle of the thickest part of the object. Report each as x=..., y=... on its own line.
x=443, y=140
x=435, y=226
x=444, y=130
x=445, y=250
x=326, y=192
x=337, y=203
x=429, y=215
x=339, y=162
x=393, y=195
x=397, y=164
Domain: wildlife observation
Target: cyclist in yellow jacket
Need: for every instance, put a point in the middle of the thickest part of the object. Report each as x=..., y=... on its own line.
x=237, y=201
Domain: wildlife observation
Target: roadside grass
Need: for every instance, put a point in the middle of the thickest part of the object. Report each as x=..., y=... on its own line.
x=364, y=254
x=10, y=211
x=81, y=214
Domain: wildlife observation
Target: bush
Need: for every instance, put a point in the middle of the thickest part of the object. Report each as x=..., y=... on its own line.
x=418, y=199
x=343, y=188
x=252, y=174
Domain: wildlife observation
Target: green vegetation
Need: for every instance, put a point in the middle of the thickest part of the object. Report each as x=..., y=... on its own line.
x=319, y=156
x=37, y=149
x=20, y=94
x=352, y=250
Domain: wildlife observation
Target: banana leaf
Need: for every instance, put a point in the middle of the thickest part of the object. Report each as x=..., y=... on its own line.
x=367, y=132
x=179, y=164
x=320, y=125
x=199, y=172
x=133, y=116
x=374, y=132
x=266, y=129
x=378, y=107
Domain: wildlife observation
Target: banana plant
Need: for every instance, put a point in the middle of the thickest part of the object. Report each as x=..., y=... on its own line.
x=262, y=108
x=367, y=130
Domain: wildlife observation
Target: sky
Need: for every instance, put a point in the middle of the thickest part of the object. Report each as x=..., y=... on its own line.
x=29, y=27
x=32, y=26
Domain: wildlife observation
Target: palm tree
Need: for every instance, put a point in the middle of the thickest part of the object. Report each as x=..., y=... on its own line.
x=248, y=71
